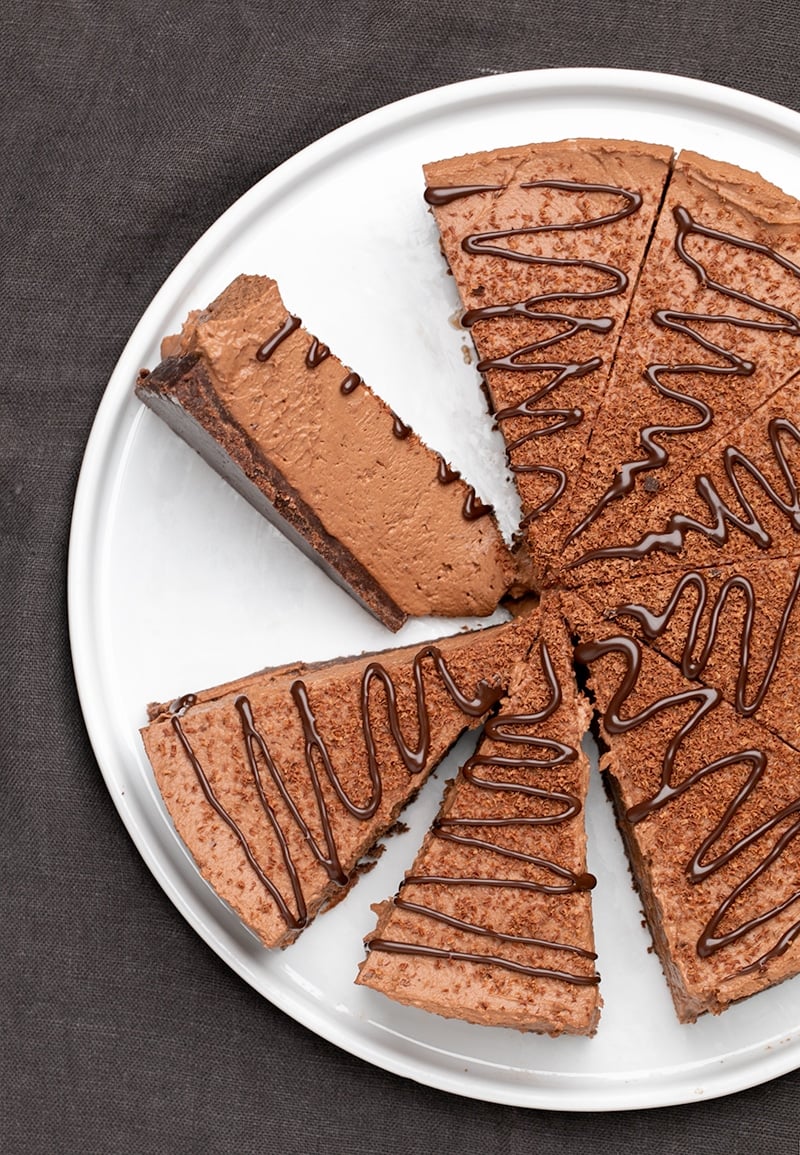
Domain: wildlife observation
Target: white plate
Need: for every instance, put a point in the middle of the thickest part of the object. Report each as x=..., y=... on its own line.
x=175, y=583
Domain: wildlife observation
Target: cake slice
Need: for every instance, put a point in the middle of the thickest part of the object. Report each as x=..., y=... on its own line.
x=545, y=242
x=739, y=501
x=314, y=450
x=493, y=921
x=734, y=627
x=280, y=782
x=713, y=334
x=708, y=803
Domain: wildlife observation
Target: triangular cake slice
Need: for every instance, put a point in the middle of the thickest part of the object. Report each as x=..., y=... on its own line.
x=735, y=627
x=545, y=243
x=740, y=501
x=318, y=453
x=713, y=333
x=493, y=921
x=280, y=782
x=708, y=804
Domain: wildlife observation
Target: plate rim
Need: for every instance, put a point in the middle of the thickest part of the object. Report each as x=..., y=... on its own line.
x=583, y=1092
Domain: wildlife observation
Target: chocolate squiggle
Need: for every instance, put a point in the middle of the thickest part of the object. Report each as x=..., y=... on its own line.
x=705, y=700
x=414, y=758
x=265, y=351
x=445, y=473
x=447, y=194
x=655, y=455
x=350, y=384
x=511, y=730
x=317, y=353
x=655, y=625
x=399, y=428
x=722, y=513
x=548, y=421
x=473, y=507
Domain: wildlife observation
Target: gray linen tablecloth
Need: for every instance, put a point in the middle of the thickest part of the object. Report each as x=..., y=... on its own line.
x=127, y=128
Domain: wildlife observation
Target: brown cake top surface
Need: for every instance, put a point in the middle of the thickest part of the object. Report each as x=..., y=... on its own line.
x=735, y=627
x=493, y=920
x=739, y=501
x=708, y=805
x=280, y=782
x=712, y=341
x=545, y=244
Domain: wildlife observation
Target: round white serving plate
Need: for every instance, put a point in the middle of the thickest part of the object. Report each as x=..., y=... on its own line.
x=176, y=584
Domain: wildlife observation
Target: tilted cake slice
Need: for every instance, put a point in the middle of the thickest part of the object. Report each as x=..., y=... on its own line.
x=318, y=453
x=708, y=803
x=545, y=242
x=492, y=923
x=735, y=627
x=280, y=782
x=713, y=334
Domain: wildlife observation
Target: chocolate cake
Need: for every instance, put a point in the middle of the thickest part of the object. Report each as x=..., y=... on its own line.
x=713, y=333
x=740, y=501
x=708, y=803
x=643, y=361
x=493, y=921
x=545, y=243
x=317, y=452
x=279, y=783
x=735, y=627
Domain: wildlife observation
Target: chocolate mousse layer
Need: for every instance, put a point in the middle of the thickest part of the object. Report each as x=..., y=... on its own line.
x=316, y=451
x=492, y=923
x=280, y=782
x=545, y=242
x=712, y=337
x=708, y=803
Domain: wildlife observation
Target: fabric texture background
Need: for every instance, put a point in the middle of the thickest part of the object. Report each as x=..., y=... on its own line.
x=126, y=129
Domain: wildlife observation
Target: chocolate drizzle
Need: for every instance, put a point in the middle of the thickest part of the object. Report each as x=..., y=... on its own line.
x=414, y=757
x=473, y=507
x=399, y=428
x=655, y=455
x=446, y=474
x=317, y=352
x=506, y=730
x=671, y=539
x=700, y=866
x=655, y=625
x=271, y=344
x=445, y=195
x=350, y=383
x=547, y=420
x=295, y=921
